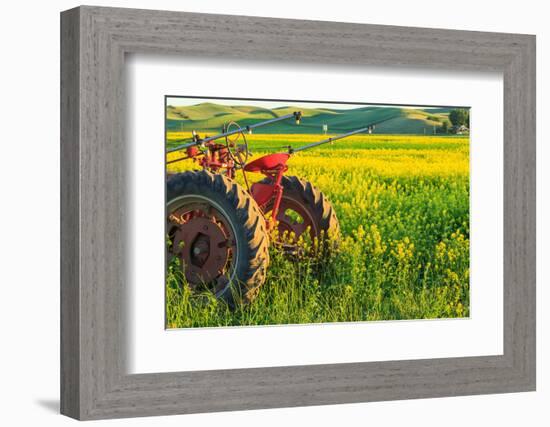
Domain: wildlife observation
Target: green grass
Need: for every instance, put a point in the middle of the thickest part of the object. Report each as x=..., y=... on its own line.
x=210, y=117
x=403, y=207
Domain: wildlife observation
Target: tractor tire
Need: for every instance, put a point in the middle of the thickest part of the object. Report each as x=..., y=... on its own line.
x=315, y=209
x=231, y=257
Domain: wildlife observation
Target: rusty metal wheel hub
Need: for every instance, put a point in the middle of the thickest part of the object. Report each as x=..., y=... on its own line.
x=294, y=218
x=202, y=245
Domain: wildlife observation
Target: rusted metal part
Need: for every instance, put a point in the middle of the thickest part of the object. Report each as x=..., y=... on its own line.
x=293, y=220
x=203, y=241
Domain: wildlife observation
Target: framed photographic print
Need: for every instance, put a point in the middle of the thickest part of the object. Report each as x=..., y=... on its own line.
x=366, y=208
x=295, y=213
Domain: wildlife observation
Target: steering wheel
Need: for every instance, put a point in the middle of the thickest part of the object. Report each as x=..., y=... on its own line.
x=238, y=152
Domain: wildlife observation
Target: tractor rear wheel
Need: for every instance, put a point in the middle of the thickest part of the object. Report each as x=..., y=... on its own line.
x=304, y=207
x=218, y=232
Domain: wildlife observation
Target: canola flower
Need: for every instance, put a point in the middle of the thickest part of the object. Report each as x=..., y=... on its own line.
x=403, y=207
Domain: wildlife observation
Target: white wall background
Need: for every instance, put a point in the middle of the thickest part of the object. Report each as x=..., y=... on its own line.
x=29, y=212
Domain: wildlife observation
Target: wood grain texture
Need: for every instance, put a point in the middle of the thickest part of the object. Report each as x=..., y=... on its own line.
x=70, y=292
x=95, y=273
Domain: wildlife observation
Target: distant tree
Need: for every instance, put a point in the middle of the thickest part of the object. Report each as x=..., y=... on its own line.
x=445, y=127
x=459, y=117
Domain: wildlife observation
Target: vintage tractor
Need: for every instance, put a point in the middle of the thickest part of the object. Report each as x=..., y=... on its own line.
x=220, y=230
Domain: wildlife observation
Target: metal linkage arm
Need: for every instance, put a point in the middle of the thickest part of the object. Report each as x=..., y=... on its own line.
x=297, y=115
x=326, y=141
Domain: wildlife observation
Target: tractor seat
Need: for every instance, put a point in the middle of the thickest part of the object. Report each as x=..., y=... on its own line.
x=267, y=163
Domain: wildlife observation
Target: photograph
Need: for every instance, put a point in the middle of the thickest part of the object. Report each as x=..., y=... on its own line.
x=300, y=212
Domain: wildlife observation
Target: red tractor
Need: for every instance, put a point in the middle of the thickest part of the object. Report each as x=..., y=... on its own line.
x=220, y=230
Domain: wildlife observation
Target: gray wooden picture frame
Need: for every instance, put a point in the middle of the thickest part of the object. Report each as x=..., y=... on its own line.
x=94, y=42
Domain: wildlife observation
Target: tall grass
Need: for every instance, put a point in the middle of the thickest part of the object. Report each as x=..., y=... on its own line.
x=403, y=207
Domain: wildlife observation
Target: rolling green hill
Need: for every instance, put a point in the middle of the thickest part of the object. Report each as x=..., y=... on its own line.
x=210, y=117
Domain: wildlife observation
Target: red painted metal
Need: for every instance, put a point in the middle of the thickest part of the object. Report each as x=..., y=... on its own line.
x=273, y=166
x=268, y=163
x=287, y=225
x=277, y=193
x=261, y=192
x=218, y=157
x=192, y=151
